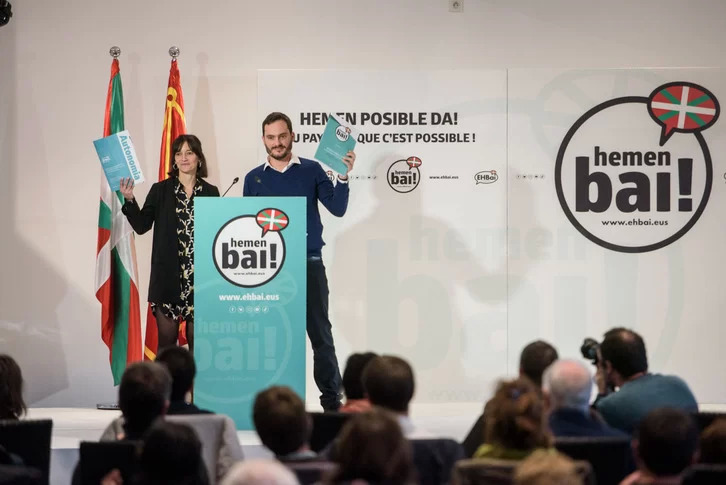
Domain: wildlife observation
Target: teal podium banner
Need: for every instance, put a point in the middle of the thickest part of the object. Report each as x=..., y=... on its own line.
x=250, y=273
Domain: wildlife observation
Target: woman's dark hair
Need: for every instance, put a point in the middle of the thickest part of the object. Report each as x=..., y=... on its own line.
x=515, y=417
x=172, y=454
x=353, y=374
x=12, y=405
x=371, y=447
x=196, y=147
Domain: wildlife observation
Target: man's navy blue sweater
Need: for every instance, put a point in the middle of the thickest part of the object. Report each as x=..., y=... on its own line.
x=309, y=180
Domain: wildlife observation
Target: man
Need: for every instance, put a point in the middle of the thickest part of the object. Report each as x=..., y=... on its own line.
x=143, y=397
x=666, y=444
x=355, y=399
x=388, y=382
x=566, y=388
x=283, y=425
x=533, y=360
x=180, y=363
x=284, y=174
x=623, y=365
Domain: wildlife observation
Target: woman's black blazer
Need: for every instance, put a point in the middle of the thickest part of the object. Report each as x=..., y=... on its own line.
x=160, y=211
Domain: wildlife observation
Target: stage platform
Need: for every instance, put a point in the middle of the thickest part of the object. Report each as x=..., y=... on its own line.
x=73, y=425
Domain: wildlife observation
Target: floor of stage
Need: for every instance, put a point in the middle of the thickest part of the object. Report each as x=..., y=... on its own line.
x=73, y=425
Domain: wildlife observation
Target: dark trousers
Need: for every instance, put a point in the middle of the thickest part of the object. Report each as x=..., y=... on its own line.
x=325, y=363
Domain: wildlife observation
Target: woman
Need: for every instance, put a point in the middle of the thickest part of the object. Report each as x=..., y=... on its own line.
x=12, y=405
x=515, y=422
x=169, y=207
x=371, y=448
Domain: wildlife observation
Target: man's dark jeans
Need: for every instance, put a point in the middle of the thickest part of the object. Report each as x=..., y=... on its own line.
x=325, y=363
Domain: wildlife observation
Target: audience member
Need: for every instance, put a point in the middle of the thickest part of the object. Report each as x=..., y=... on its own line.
x=182, y=368
x=355, y=399
x=389, y=383
x=623, y=364
x=371, y=447
x=514, y=422
x=666, y=443
x=566, y=389
x=12, y=405
x=172, y=454
x=713, y=443
x=533, y=360
x=546, y=468
x=282, y=424
x=143, y=397
x=260, y=472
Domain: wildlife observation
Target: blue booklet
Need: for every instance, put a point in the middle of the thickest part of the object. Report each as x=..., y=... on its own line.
x=337, y=140
x=118, y=159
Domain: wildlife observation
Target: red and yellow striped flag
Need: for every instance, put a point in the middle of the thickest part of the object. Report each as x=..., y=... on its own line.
x=174, y=125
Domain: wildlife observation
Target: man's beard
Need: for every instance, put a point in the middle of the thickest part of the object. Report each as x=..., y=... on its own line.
x=285, y=153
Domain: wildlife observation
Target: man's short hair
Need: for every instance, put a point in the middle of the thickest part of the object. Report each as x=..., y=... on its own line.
x=182, y=368
x=535, y=358
x=280, y=420
x=143, y=394
x=625, y=350
x=713, y=443
x=276, y=116
x=171, y=453
x=667, y=441
x=389, y=383
x=270, y=472
x=352, y=376
x=568, y=384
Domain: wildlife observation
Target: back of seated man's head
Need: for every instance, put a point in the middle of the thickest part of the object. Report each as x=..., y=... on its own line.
x=388, y=382
x=534, y=359
x=281, y=421
x=259, y=472
x=172, y=453
x=625, y=350
x=143, y=395
x=180, y=363
x=352, y=376
x=666, y=442
x=713, y=443
x=567, y=384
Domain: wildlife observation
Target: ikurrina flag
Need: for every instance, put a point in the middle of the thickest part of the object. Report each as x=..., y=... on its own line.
x=683, y=107
x=174, y=125
x=116, y=270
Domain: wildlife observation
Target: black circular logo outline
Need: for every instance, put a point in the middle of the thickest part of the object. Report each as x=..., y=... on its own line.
x=388, y=172
x=608, y=245
x=214, y=245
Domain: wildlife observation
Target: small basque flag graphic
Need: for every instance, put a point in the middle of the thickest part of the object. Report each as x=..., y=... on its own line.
x=272, y=220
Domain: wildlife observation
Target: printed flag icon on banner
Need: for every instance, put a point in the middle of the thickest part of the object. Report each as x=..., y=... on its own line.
x=682, y=107
x=272, y=220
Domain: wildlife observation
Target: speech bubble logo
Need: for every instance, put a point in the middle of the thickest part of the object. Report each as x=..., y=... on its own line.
x=682, y=107
x=486, y=177
x=413, y=162
x=271, y=220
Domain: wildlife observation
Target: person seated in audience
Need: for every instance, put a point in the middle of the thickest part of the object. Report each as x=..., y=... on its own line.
x=566, y=389
x=623, y=365
x=283, y=425
x=514, y=422
x=713, y=443
x=389, y=383
x=533, y=360
x=172, y=454
x=545, y=468
x=12, y=405
x=182, y=368
x=666, y=444
x=259, y=472
x=372, y=447
x=355, y=399
x=143, y=397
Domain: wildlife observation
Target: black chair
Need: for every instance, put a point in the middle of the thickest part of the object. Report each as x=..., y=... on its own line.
x=19, y=475
x=705, y=474
x=611, y=458
x=29, y=440
x=326, y=427
x=704, y=419
x=97, y=459
x=434, y=459
x=490, y=471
